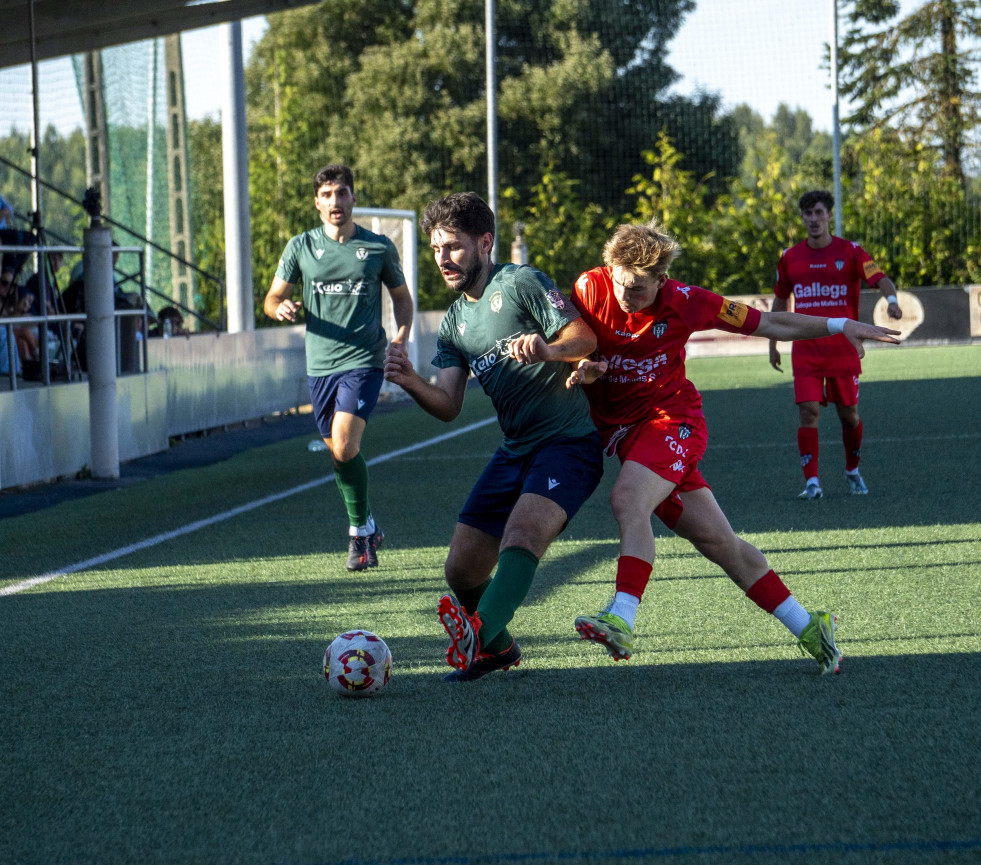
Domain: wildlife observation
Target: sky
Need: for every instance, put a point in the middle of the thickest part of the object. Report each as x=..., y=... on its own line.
x=759, y=52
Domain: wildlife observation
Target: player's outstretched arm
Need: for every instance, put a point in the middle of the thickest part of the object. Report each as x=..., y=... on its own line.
x=793, y=326
x=442, y=400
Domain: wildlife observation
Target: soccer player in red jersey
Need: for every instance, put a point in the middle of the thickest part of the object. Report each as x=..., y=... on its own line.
x=824, y=275
x=650, y=416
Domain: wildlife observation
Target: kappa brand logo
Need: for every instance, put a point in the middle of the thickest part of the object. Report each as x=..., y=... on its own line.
x=677, y=465
x=552, y=483
x=496, y=301
x=461, y=327
x=318, y=254
x=361, y=254
x=818, y=265
x=840, y=264
x=684, y=430
x=660, y=328
x=805, y=459
x=684, y=289
x=627, y=334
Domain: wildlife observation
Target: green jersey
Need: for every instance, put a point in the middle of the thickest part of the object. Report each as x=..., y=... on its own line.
x=532, y=402
x=342, y=296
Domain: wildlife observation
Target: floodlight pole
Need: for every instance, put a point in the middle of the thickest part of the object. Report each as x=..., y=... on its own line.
x=491, y=85
x=36, y=143
x=835, y=127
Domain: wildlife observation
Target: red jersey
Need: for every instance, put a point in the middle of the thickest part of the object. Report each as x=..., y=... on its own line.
x=645, y=351
x=825, y=282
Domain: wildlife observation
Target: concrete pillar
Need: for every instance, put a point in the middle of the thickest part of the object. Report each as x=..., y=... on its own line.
x=235, y=170
x=100, y=341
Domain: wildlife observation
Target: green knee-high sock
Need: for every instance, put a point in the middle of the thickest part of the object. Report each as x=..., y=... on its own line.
x=515, y=570
x=352, y=483
x=469, y=599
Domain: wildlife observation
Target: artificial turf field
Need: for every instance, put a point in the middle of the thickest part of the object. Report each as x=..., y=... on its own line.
x=165, y=702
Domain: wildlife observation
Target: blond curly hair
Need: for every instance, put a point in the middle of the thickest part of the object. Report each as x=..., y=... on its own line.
x=644, y=249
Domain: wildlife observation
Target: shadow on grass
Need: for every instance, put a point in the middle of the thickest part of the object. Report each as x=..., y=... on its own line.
x=126, y=720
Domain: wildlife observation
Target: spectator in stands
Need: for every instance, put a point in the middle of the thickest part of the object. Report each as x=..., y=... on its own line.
x=170, y=322
x=12, y=306
x=10, y=236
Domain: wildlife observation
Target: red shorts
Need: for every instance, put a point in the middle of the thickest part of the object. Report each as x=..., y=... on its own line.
x=842, y=389
x=671, y=448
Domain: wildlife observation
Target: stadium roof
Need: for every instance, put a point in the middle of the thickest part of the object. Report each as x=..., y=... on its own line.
x=62, y=27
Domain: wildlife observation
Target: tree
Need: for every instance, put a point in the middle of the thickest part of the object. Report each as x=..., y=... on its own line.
x=918, y=73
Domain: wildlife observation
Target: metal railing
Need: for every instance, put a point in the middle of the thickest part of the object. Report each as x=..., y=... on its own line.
x=130, y=339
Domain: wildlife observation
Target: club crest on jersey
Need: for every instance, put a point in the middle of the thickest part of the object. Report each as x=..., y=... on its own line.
x=684, y=430
x=318, y=254
x=496, y=301
x=660, y=328
x=839, y=264
x=555, y=298
x=361, y=254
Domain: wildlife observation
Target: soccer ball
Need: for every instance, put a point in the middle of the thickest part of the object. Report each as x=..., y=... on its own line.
x=358, y=664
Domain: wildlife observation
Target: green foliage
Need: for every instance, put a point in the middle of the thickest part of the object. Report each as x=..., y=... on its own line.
x=916, y=220
x=565, y=235
x=207, y=211
x=917, y=73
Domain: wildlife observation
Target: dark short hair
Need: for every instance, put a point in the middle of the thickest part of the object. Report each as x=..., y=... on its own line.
x=816, y=196
x=460, y=211
x=335, y=173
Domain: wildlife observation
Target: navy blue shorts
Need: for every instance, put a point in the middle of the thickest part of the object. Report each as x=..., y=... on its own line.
x=566, y=471
x=354, y=391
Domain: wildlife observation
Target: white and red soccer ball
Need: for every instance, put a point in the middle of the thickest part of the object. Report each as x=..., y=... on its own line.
x=358, y=664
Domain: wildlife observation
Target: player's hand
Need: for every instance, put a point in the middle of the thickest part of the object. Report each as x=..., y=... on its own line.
x=287, y=310
x=775, y=357
x=586, y=372
x=894, y=311
x=856, y=332
x=528, y=348
x=398, y=368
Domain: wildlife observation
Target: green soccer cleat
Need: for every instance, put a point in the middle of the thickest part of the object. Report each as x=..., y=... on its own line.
x=610, y=631
x=818, y=640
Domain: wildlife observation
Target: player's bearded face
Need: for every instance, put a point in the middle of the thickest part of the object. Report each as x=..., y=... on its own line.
x=635, y=291
x=459, y=259
x=335, y=203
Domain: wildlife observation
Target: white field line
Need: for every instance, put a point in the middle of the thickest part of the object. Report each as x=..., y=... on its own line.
x=14, y=588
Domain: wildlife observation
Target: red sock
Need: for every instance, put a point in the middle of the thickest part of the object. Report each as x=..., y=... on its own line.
x=852, y=438
x=633, y=575
x=768, y=592
x=807, y=444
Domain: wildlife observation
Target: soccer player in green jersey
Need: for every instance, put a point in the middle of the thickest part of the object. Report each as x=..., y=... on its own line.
x=518, y=334
x=341, y=268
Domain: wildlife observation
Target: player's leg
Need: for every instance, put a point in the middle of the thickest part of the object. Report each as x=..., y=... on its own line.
x=845, y=394
x=809, y=395
x=656, y=457
x=355, y=397
x=554, y=482
x=703, y=523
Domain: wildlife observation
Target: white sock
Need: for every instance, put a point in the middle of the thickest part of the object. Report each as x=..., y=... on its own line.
x=813, y=482
x=363, y=531
x=851, y=473
x=793, y=616
x=625, y=606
